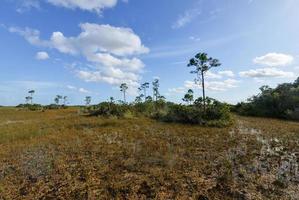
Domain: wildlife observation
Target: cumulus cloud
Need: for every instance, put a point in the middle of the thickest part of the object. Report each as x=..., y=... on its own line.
x=112, y=51
x=274, y=59
x=227, y=73
x=266, y=72
x=220, y=74
x=211, y=75
x=42, y=55
x=213, y=85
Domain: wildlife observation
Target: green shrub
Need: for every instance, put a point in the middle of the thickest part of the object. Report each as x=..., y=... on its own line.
x=32, y=107
x=110, y=109
x=216, y=114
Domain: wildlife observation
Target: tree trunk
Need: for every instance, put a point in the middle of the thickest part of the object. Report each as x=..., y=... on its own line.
x=203, y=91
x=124, y=97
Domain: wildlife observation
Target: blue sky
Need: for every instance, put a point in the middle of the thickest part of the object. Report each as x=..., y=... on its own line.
x=84, y=48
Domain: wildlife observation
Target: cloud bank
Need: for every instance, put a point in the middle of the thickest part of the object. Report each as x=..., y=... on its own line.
x=111, y=51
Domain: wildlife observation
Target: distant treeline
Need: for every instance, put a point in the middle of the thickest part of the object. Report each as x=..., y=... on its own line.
x=280, y=102
x=35, y=107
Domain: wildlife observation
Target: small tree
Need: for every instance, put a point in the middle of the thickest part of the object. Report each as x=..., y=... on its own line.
x=28, y=99
x=138, y=99
x=87, y=100
x=202, y=64
x=189, y=97
x=149, y=99
x=143, y=88
x=57, y=99
x=31, y=92
x=123, y=89
x=64, y=100
x=156, y=86
x=111, y=100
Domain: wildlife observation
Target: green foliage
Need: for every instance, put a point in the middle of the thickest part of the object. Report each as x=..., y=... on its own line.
x=110, y=109
x=189, y=97
x=216, y=114
x=54, y=107
x=202, y=63
x=32, y=107
x=280, y=102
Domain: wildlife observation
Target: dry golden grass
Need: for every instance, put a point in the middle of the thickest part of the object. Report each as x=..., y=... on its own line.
x=59, y=154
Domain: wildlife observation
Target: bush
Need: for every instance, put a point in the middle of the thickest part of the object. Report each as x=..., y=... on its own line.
x=217, y=114
x=181, y=114
x=32, y=107
x=110, y=109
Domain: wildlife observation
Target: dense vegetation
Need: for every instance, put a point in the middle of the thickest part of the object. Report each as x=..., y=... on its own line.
x=215, y=113
x=279, y=102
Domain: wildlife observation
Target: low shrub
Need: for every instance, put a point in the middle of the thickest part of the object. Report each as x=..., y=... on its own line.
x=216, y=114
x=110, y=109
x=32, y=107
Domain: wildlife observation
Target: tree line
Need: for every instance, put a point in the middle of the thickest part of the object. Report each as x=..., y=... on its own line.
x=280, y=102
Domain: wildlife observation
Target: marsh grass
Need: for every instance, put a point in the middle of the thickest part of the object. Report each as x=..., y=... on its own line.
x=62, y=154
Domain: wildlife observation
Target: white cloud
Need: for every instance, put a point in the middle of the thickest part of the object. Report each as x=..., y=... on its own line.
x=186, y=18
x=227, y=73
x=82, y=90
x=178, y=90
x=111, y=51
x=89, y=5
x=31, y=35
x=266, y=72
x=213, y=85
x=42, y=55
x=94, y=38
x=71, y=87
x=196, y=39
x=274, y=59
x=222, y=85
x=211, y=75
x=220, y=74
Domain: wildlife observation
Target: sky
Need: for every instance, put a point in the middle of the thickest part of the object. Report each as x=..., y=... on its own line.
x=80, y=48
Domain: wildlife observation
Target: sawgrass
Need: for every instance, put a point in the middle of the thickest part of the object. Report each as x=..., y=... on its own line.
x=59, y=154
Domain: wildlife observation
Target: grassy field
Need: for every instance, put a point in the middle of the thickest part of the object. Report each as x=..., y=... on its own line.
x=59, y=154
